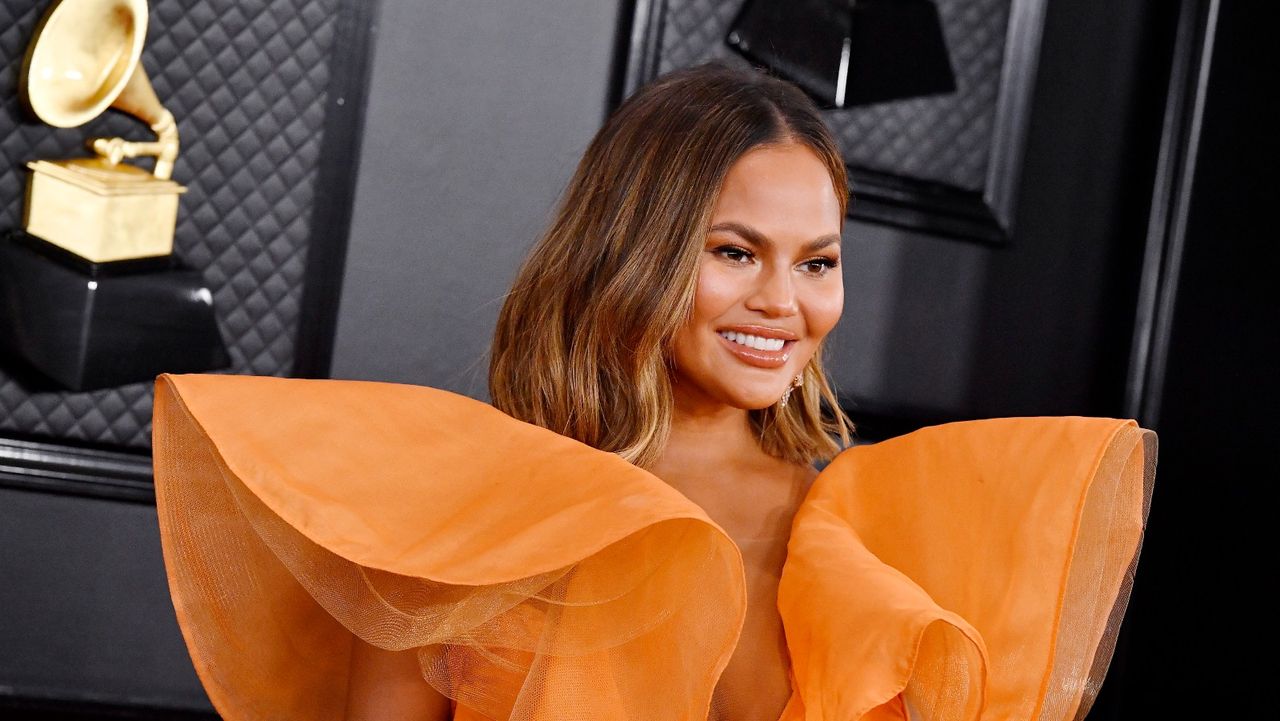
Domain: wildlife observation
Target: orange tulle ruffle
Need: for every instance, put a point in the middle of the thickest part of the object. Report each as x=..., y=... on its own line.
x=974, y=570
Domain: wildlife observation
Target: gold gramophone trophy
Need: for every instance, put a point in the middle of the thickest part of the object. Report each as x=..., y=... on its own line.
x=91, y=295
x=85, y=57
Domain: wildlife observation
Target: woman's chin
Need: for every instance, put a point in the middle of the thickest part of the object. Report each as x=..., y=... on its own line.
x=755, y=401
x=748, y=393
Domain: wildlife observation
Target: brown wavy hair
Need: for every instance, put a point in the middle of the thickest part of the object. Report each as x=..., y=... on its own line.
x=584, y=341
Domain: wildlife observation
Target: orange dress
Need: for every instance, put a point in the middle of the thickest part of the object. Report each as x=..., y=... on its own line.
x=974, y=570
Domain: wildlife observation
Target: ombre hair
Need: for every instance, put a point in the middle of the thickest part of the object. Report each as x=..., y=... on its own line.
x=584, y=341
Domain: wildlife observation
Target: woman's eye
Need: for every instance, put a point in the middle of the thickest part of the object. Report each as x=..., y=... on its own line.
x=734, y=254
x=819, y=266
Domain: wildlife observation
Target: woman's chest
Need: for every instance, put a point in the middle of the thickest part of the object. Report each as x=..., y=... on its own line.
x=755, y=508
x=756, y=684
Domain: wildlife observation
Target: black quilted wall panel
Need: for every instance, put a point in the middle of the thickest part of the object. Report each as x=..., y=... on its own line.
x=945, y=138
x=247, y=81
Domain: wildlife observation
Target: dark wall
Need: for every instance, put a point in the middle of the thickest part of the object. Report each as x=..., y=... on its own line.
x=84, y=605
x=1199, y=645
x=1055, y=321
x=1041, y=325
x=478, y=111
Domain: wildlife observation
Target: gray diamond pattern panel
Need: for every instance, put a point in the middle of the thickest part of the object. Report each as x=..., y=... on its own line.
x=247, y=81
x=943, y=138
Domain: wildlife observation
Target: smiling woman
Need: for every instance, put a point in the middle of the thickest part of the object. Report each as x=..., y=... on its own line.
x=766, y=291
x=599, y=315
x=674, y=313
x=642, y=534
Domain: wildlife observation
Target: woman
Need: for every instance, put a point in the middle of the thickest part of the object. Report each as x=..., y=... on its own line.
x=653, y=543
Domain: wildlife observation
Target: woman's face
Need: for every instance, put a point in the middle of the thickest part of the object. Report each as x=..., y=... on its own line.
x=769, y=282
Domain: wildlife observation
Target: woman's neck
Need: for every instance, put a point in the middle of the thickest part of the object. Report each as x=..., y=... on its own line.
x=713, y=457
x=707, y=433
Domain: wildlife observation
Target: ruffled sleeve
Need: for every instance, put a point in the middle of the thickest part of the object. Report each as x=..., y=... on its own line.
x=537, y=578
x=971, y=570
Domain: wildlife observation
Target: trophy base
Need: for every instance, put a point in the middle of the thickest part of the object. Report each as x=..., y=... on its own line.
x=86, y=333
x=87, y=267
x=101, y=212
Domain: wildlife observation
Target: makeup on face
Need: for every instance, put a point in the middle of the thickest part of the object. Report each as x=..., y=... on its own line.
x=769, y=284
x=759, y=346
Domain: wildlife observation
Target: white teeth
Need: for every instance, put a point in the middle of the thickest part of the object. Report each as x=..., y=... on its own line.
x=756, y=342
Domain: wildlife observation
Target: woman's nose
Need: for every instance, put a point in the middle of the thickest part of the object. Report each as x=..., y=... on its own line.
x=774, y=294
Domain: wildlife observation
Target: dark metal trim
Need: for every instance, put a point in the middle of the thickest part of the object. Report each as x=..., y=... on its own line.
x=350, y=66
x=41, y=708
x=914, y=204
x=1170, y=204
x=642, y=58
x=1013, y=109
x=64, y=469
x=622, y=48
x=984, y=216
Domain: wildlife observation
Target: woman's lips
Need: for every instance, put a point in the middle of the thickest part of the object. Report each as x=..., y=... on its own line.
x=756, y=357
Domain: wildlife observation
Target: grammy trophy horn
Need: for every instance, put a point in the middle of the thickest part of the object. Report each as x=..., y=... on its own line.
x=84, y=58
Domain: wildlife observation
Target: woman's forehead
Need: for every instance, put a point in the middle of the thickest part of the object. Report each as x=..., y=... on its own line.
x=780, y=187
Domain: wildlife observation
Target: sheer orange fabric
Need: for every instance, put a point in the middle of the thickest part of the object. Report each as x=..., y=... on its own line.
x=978, y=569
x=975, y=570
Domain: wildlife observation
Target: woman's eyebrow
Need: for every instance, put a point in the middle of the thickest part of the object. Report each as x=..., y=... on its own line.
x=760, y=239
x=820, y=243
x=745, y=232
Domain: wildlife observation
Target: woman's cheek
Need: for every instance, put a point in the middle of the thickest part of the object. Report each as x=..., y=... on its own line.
x=822, y=309
x=717, y=291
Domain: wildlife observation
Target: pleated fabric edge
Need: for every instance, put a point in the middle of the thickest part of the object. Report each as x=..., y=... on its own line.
x=642, y=620
x=986, y=566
